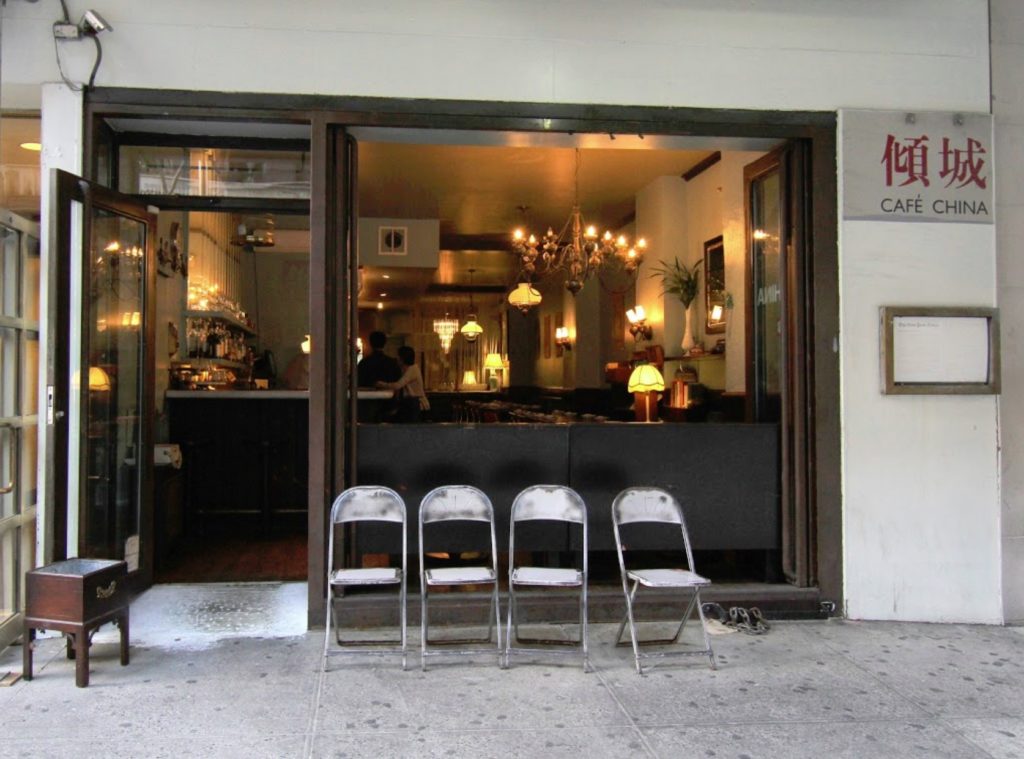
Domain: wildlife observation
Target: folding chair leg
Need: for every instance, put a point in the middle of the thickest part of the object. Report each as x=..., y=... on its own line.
x=704, y=629
x=632, y=627
x=423, y=625
x=583, y=626
x=497, y=621
x=401, y=613
x=686, y=617
x=327, y=624
x=511, y=621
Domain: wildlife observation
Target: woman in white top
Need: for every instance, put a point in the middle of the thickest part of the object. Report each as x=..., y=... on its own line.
x=412, y=397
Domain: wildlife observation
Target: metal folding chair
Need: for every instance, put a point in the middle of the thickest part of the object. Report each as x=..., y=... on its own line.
x=549, y=503
x=654, y=505
x=467, y=504
x=365, y=503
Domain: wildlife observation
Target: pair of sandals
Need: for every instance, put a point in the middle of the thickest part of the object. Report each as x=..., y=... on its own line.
x=750, y=621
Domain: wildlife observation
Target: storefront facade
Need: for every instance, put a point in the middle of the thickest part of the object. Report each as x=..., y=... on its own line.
x=916, y=529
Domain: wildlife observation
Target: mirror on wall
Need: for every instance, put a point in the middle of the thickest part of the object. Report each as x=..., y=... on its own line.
x=714, y=285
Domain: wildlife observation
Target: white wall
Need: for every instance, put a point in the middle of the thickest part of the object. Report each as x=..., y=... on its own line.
x=787, y=54
x=1008, y=109
x=920, y=485
x=792, y=54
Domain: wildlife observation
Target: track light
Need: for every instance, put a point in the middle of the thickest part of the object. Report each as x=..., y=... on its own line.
x=93, y=23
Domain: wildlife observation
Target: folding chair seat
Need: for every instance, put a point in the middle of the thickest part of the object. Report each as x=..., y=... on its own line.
x=654, y=505
x=554, y=504
x=365, y=503
x=458, y=503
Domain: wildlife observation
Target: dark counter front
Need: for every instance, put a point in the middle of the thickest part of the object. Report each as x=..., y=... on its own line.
x=245, y=458
x=725, y=475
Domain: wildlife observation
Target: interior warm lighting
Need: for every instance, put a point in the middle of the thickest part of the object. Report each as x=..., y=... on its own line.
x=562, y=339
x=638, y=326
x=716, y=313
x=304, y=345
x=98, y=378
x=386, y=276
x=760, y=234
x=644, y=382
x=576, y=251
x=524, y=297
x=446, y=329
x=112, y=247
x=471, y=330
x=35, y=147
x=380, y=306
x=493, y=361
x=469, y=377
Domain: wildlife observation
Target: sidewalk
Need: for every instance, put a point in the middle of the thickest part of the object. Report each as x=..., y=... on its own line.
x=210, y=678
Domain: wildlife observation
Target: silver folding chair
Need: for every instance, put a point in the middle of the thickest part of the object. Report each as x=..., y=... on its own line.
x=654, y=505
x=550, y=503
x=365, y=503
x=467, y=504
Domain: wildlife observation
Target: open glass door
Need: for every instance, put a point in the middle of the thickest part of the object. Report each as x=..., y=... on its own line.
x=779, y=308
x=19, y=382
x=101, y=371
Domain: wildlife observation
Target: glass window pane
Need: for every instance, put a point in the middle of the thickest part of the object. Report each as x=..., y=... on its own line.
x=217, y=172
x=766, y=211
x=113, y=390
x=9, y=271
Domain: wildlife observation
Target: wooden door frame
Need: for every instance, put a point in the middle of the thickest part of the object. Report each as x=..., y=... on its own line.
x=329, y=277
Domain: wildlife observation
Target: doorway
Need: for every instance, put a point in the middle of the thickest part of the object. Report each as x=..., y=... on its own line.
x=334, y=300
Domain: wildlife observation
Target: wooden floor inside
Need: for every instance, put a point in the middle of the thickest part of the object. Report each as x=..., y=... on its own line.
x=236, y=559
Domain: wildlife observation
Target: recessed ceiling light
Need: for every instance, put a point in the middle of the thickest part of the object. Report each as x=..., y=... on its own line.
x=33, y=146
x=383, y=295
x=386, y=276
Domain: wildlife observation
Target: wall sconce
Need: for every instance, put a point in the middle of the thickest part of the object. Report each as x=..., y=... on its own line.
x=646, y=381
x=562, y=339
x=638, y=326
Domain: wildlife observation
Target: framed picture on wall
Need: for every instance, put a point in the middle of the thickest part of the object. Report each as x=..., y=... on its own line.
x=393, y=241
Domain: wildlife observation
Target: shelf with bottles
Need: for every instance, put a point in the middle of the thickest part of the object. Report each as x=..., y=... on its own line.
x=221, y=316
x=211, y=336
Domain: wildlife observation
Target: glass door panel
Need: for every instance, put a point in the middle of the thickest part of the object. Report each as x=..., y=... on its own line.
x=19, y=377
x=113, y=386
x=766, y=240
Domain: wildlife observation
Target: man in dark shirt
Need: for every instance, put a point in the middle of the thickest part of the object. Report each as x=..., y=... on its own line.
x=377, y=366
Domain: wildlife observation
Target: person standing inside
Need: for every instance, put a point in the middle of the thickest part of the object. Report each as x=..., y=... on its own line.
x=412, y=397
x=377, y=366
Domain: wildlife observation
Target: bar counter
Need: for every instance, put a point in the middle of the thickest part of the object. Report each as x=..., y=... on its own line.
x=239, y=394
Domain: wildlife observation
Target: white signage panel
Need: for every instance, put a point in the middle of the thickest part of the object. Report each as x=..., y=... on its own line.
x=926, y=166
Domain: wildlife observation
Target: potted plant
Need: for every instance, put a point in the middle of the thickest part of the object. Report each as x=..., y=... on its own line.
x=683, y=282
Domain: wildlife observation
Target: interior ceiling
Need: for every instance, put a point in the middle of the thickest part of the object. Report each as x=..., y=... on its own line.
x=480, y=185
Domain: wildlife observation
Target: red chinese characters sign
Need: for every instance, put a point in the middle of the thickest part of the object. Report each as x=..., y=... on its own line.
x=917, y=167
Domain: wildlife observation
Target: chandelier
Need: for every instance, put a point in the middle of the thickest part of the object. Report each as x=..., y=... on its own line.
x=576, y=250
x=446, y=329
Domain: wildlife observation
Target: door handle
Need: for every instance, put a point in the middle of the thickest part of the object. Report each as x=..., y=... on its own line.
x=12, y=439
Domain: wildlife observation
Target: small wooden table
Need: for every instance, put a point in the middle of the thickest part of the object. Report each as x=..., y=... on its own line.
x=76, y=596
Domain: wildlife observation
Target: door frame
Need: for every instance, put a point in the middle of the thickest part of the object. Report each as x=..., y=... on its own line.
x=66, y=189
x=21, y=524
x=329, y=277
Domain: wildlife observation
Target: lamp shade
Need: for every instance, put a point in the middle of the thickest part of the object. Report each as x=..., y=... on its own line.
x=493, y=361
x=469, y=377
x=98, y=378
x=524, y=297
x=645, y=379
x=471, y=330
x=304, y=345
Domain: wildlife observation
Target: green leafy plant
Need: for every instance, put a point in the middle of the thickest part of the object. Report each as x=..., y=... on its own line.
x=679, y=280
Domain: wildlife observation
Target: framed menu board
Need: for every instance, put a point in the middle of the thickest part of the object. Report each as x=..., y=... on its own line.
x=939, y=350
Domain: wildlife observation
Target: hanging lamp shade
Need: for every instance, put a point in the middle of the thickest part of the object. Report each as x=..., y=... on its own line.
x=471, y=330
x=98, y=378
x=524, y=297
x=646, y=379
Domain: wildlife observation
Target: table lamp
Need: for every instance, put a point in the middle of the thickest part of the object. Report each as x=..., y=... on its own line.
x=644, y=382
